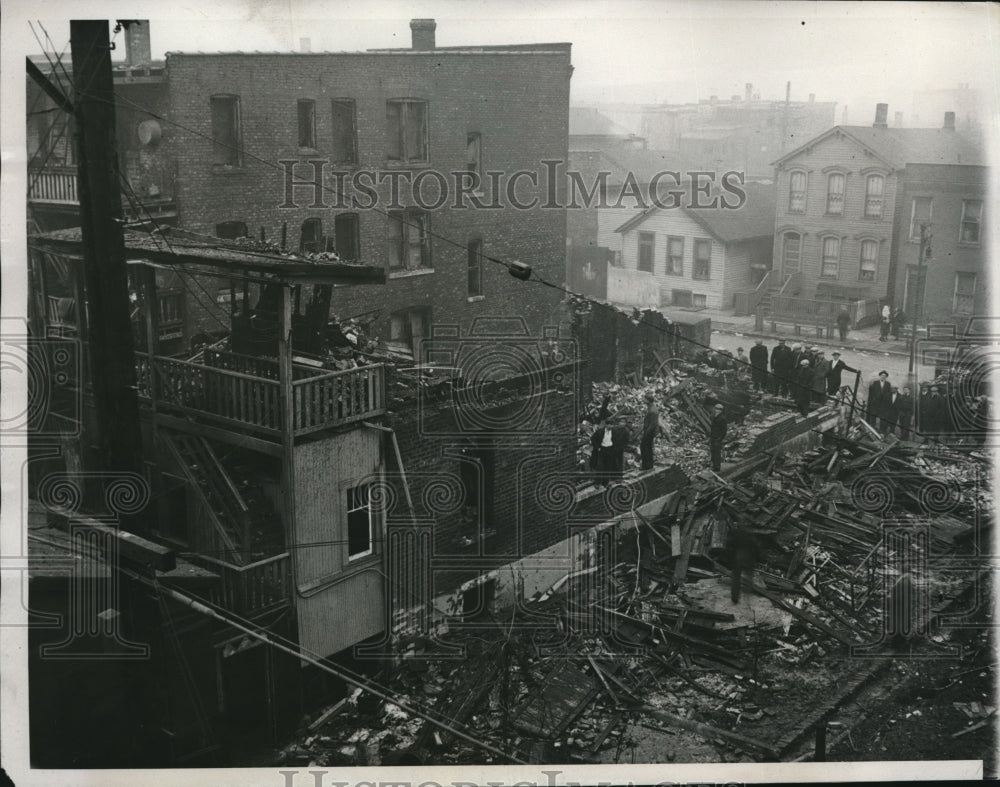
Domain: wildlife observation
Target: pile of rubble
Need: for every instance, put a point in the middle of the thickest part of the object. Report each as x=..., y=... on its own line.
x=643, y=655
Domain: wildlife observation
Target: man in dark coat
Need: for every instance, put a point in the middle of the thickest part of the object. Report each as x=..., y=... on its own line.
x=821, y=367
x=843, y=321
x=933, y=412
x=743, y=553
x=833, y=379
x=903, y=406
x=717, y=436
x=758, y=365
x=803, y=386
x=879, y=403
x=781, y=367
x=650, y=426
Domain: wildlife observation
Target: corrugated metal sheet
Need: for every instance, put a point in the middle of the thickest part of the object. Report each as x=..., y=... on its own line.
x=338, y=604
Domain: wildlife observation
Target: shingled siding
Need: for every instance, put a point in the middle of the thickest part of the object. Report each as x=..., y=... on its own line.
x=840, y=153
x=517, y=100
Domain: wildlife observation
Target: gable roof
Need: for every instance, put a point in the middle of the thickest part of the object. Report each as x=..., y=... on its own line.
x=754, y=219
x=898, y=147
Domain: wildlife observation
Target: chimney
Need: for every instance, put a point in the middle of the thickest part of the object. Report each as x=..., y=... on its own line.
x=138, y=53
x=749, y=90
x=881, y=116
x=949, y=121
x=899, y=120
x=422, y=31
x=305, y=45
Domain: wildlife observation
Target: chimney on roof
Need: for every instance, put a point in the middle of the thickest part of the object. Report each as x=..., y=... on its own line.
x=881, y=116
x=305, y=45
x=749, y=90
x=422, y=31
x=949, y=121
x=138, y=52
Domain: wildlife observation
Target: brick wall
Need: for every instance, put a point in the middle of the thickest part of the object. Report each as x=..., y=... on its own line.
x=517, y=100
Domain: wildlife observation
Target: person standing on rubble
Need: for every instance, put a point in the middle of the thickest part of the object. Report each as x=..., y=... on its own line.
x=904, y=412
x=650, y=427
x=620, y=437
x=781, y=367
x=833, y=376
x=803, y=386
x=879, y=403
x=743, y=553
x=821, y=367
x=717, y=435
x=933, y=412
x=758, y=365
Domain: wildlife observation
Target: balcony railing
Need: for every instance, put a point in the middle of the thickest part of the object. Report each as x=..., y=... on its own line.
x=53, y=184
x=320, y=399
x=250, y=589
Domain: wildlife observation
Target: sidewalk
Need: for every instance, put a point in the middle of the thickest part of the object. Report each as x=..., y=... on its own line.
x=862, y=339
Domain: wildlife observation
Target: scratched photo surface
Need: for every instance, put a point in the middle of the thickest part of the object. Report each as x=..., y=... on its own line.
x=462, y=393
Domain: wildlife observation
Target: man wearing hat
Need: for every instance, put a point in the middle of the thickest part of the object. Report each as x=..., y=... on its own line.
x=758, y=365
x=717, y=435
x=650, y=426
x=880, y=402
x=609, y=441
x=781, y=367
x=803, y=386
x=821, y=366
x=833, y=376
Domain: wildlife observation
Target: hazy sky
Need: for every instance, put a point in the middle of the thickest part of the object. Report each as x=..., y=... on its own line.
x=623, y=51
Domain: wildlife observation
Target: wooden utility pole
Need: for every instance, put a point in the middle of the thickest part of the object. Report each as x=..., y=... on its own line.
x=110, y=347
x=918, y=298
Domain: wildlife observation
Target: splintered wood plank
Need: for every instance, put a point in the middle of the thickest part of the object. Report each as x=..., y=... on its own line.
x=565, y=693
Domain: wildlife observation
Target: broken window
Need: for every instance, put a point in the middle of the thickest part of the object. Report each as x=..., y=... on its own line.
x=346, y=240
x=869, y=260
x=406, y=129
x=647, y=243
x=475, y=268
x=972, y=212
x=345, y=135
x=307, y=123
x=360, y=522
x=311, y=239
x=408, y=327
x=409, y=240
x=702, y=260
x=226, y=131
x=874, y=188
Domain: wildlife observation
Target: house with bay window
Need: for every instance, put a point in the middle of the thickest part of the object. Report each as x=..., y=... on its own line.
x=850, y=203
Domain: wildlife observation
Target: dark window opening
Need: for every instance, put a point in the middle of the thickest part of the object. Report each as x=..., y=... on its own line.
x=409, y=240
x=307, y=123
x=345, y=135
x=311, y=239
x=406, y=127
x=230, y=230
x=360, y=529
x=346, y=241
x=226, y=131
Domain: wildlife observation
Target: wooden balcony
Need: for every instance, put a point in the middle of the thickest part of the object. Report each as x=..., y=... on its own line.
x=250, y=589
x=243, y=391
x=55, y=185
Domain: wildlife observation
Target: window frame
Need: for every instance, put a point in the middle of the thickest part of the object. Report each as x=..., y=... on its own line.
x=695, y=275
x=338, y=220
x=978, y=221
x=824, y=258
x=233, y=153
x=831, y=194
x=336, y=145
x=865, y=243
x=699, y=300
x=914, y=222
x=310, y=126
x=971, y=296
x=784, y=249
x=407, y=316
x=793, y=192
x=677, y=270
x=406, y=156
x=474, y=163
x=317, y=241
x=404, y=219
x=366, y=488
x=870, y=197
x=646, y=242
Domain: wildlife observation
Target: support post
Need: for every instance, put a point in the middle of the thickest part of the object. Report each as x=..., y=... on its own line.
x=918, y=300
x=287, y=414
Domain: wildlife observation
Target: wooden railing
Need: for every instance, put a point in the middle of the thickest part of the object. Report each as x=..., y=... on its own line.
x=746, y=301
x=256, y=366
x=53, y=184
x=255, y=587
x=320, y=400
x=337, y=397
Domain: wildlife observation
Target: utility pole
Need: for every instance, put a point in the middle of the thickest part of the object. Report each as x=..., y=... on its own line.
x=784, y=116
x=918, y=298
x=109, y=337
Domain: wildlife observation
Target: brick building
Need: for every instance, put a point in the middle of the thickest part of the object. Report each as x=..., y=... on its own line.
x=406, y=113
x=846, y=201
